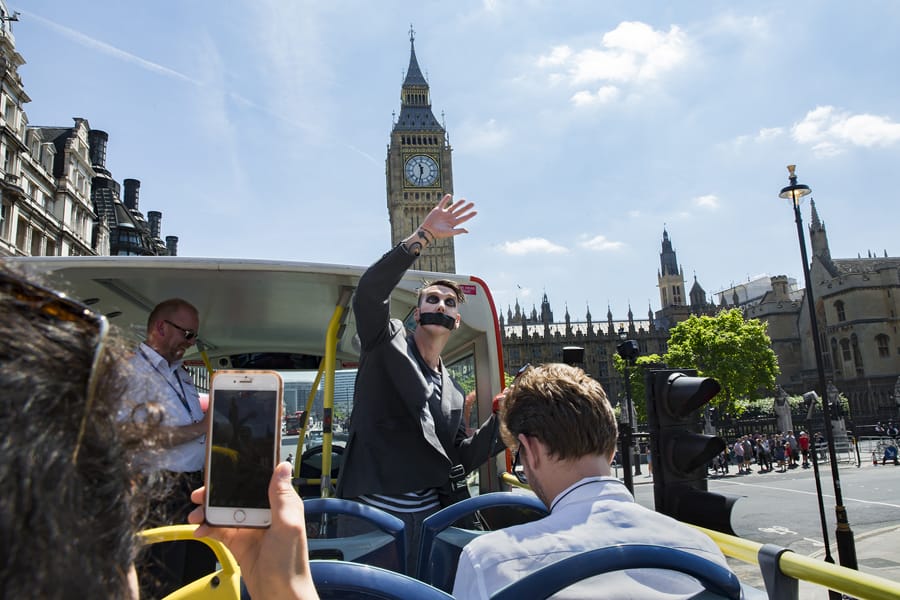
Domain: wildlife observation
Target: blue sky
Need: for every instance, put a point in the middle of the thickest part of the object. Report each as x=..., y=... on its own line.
x=580, y=129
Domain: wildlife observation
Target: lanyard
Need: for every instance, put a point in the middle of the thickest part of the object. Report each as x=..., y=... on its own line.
x=183, y=395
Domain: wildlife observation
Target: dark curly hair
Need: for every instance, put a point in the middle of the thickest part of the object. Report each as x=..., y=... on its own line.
x=67, y=518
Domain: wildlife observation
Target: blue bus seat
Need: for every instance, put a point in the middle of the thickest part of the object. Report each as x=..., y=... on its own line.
x=545, y=582
x=384, y=546
x=339, y=579
x=442, y=542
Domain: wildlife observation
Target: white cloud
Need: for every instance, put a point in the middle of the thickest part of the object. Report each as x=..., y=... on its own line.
x=605, y=95
x=558, y=56
x=708, y=201
x=487, y=136
x=769, y=133
x=632, y=52
x=601, y=244
x=532, y=246
x=830, y=130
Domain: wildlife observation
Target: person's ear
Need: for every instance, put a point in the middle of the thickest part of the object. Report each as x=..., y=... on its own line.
x=531, y=445
x=158, y=328
x=416, y=315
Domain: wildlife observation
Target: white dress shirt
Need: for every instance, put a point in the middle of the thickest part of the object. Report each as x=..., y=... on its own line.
x=593, y=513
x=155, y=380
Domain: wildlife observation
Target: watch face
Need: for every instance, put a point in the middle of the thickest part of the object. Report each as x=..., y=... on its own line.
x=421, y=170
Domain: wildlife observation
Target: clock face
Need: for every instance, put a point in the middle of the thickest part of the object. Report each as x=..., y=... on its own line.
x=421, y=170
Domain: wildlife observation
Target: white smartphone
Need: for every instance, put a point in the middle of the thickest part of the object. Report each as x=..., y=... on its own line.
x=242, y=446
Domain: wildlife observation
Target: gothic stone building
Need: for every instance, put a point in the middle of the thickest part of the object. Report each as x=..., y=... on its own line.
x=536, y=338
x=857, y=307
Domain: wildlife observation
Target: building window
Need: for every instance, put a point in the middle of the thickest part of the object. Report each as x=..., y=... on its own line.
x=9, y=113
x=884, y=345
x=841, y=313
x=22, y=235
x=845, y=351
x=857, y=357
x=4, y=220
x=834, y=354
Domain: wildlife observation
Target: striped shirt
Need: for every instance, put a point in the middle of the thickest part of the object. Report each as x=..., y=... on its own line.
x=410, y=502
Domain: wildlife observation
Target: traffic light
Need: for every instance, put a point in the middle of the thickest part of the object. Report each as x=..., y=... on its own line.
x=680, y=454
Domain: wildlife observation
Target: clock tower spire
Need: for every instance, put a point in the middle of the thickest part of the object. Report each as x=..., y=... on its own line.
x=418, y=167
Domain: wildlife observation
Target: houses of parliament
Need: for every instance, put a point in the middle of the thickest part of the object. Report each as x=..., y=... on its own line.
x=59, y=199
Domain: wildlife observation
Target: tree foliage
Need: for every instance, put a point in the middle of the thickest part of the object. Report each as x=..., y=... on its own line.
x=735, y=352
x=638, y=389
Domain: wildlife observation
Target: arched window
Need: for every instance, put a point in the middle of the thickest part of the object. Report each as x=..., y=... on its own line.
x=841, y=313
x=846, y=356
x=857, y=356
x=884, y=345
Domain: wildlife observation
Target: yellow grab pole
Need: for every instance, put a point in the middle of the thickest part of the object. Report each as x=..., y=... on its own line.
x=331, y=340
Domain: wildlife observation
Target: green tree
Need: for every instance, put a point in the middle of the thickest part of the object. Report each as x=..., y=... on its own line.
x=638, y=390
x=737, y=353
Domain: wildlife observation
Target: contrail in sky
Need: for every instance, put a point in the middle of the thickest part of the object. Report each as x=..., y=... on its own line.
x=105, y=48
x=153, y=67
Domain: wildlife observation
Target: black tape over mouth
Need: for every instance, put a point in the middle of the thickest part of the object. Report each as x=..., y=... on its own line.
x=437, y=319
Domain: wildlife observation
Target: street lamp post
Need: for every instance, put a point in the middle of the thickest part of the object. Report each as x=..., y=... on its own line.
x=843, y=535
x=629, y=351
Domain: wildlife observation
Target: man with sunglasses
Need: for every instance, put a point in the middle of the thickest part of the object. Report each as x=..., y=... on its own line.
x=563, y=431
x=408, y=445
x=158, y=376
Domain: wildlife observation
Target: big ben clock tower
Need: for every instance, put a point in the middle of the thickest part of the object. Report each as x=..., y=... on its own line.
x=418, y=167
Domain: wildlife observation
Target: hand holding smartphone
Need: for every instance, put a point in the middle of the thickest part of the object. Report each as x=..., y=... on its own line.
x=242, y=447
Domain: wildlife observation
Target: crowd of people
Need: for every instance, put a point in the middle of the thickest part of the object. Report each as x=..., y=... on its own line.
x=776, y=452
x=98, y=441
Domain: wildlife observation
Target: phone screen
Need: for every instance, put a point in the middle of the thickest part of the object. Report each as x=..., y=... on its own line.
x=243, y=449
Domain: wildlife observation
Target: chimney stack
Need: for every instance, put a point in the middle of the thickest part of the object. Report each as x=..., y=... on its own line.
x=132, y=193
x=155, y=219
x=172, y=245
x=97, y=141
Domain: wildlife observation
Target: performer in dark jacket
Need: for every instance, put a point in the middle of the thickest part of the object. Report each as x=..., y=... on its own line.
x=406, y=428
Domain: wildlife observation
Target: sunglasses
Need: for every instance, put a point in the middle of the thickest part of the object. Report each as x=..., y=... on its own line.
x=517, y=468
x=521, y=371
x=189, y=334
x=53, y=306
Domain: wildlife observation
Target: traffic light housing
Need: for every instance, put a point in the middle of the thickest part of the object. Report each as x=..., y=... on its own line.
x=680, y=454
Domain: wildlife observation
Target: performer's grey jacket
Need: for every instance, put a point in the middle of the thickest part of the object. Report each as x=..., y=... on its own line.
x=396, y=443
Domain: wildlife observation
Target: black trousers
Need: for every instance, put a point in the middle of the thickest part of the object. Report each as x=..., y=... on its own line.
x=167, y=566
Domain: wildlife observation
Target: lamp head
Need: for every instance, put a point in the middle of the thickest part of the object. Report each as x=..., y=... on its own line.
x=795, y=191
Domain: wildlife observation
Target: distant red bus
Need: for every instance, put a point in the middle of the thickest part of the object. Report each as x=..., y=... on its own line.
x=293, y=423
